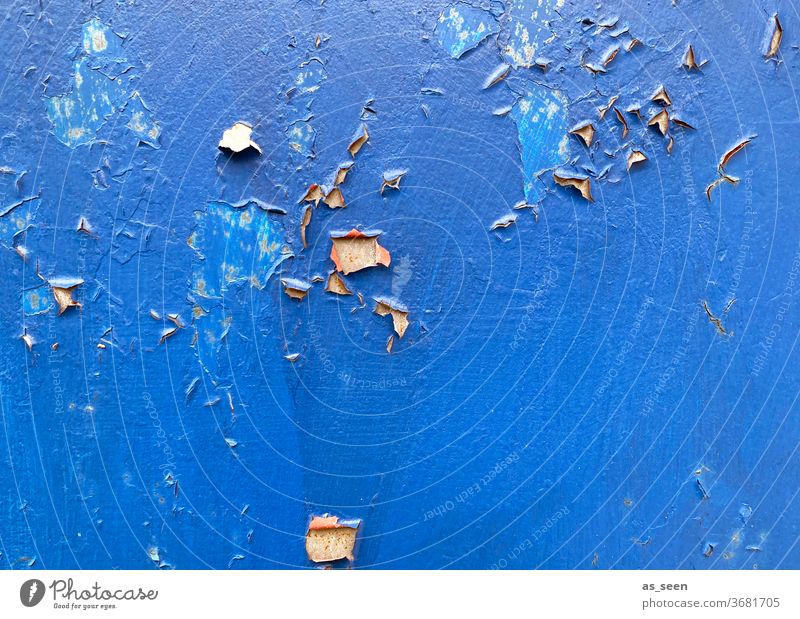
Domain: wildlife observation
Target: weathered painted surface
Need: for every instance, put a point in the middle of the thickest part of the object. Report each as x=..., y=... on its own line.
x=606, y=384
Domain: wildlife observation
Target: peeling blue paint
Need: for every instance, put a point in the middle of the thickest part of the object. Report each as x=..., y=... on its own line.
x=100, y=88
x=541, y=120
x=560, y=383
x=233, y=246
x=528, y=29
x=462, y=27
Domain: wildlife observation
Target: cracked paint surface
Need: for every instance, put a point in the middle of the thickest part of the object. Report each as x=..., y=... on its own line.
x=560, y=397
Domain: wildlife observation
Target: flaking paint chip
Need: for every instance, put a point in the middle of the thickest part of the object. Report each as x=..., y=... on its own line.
x=399, y=315
x=634, y=157
x=391, y=179
x=497, y=76
x=330, y=539
x=581, y=183
x=601, y=112
x=304, y=223
x=774, y=39
x=726, y=157
x=681, y=123
x=295, y=288
x=610, y=55
x=622, y=122
x=237, y=139
x=660, y=120
x=361, y=137
x=356, y=250
x=337, y=285
x=585, y=131
x=504, y=222
x=314, y=194
x=661, y=96
x=62, y=288
x=341, y=172
x=335, y=199
x=689, y=60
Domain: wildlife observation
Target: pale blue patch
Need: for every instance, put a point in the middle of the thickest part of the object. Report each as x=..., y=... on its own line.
x=462, y=27
x=301, y=136
x=309, y=76
x=37, y=300
x=98, y=91
x=233, y=246
x=16, y=215
x=141, y=123
x=528, y=29
x=541, y=119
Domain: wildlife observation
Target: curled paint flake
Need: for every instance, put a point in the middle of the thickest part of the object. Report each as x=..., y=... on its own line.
x=399, y=315
x=62, y=288
x=462, y=27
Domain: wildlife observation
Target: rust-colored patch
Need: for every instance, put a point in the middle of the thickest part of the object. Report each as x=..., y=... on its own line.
x=356, y=250
x=330, y=539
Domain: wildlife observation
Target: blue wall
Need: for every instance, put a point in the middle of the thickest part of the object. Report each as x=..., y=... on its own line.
x=561, y=398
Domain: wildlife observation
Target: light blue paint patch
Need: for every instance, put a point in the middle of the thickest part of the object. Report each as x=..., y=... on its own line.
x=233, y=246
x=301, y=137
x=16, y=216
x=462, y=27
x=98, y=91
x=309, y=76
x=141, y=122
x=528, y=29
x=101, y=42
x=541, y=119
x=36, y=300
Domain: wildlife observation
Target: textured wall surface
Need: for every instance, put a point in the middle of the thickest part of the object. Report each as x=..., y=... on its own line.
x=604, y=383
